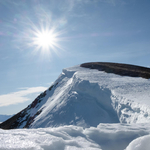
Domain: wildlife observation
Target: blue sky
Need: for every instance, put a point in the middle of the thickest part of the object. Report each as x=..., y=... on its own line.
x=85, y=31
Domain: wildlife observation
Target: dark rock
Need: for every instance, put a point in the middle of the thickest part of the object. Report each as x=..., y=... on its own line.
x=120, y=69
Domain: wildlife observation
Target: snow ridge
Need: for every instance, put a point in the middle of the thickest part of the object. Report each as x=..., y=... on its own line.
x=84, y=109
x=81, y=93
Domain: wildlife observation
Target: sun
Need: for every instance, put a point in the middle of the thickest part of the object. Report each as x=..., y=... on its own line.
x=45, y=39
x=41, y=34
x=42, y=39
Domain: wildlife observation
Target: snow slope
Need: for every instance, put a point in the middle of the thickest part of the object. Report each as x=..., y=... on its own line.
x=86, y=97
x=81, y=93
x=84, y=109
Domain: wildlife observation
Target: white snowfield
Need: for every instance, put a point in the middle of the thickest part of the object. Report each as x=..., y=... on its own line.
x=103, y=137
x=87, y=97
x=87, y=109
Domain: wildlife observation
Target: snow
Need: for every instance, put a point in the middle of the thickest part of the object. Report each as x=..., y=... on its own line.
x=82, y=93
x=103, y=137
x=86, y=109
x=140, y=143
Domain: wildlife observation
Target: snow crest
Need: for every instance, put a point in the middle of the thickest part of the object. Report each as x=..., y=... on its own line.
x=82, y=93
x=85, y=109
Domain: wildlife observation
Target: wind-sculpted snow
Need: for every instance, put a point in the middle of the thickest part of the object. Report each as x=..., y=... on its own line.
x=84, y=93
x=103, y=137
x=84, y=109
x=87, y=97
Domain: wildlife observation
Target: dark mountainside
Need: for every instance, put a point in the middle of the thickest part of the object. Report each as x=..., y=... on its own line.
x=117, y=68
x=23, y=116
x=4, y=117
x=120, y=69
x=19, y=118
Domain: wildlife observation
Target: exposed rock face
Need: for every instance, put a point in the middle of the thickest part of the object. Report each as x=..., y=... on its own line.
x=25, y=117
x=120, y=69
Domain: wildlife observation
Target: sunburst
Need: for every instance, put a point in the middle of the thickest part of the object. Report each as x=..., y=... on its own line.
x=45, y=39
x=40, y=36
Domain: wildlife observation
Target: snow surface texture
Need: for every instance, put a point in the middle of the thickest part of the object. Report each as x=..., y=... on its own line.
x=82, y=93
x=103, y=137
x=86, y=109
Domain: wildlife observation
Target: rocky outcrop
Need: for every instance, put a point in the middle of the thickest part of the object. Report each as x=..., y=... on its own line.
x=120, y=69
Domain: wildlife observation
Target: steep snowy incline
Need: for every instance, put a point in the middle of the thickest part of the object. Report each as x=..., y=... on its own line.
x=87, y=97
x=76, y=101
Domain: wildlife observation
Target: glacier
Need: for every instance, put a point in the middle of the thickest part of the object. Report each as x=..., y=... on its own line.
x=84, y=109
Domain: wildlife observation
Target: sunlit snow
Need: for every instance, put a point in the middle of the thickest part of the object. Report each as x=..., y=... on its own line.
x=87, y=109
x=105, y=137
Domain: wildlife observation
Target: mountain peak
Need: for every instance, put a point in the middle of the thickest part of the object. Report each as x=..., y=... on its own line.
x=86, y=97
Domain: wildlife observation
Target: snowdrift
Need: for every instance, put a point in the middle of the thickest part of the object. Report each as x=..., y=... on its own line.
x=103, y=137
x=93, y=106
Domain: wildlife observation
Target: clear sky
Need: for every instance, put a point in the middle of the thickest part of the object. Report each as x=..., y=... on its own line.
x=38, y=38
